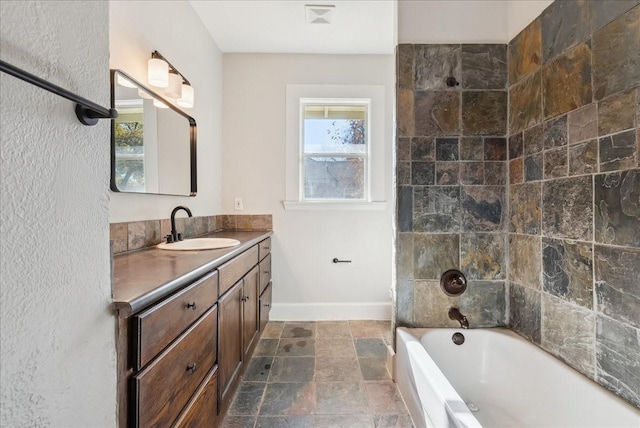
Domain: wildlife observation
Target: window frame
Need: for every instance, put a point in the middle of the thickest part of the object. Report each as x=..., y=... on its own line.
x=366, y=156
x=379, y=157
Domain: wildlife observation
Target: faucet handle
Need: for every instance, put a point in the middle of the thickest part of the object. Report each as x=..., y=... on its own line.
x=169, y=238
x=180, y=238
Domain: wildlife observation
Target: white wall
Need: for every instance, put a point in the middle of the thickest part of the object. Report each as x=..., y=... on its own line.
x=452, y=21
x=521, y=12
x=57, y=333
x=307, y=284
x=137, y=28
x=465, y=21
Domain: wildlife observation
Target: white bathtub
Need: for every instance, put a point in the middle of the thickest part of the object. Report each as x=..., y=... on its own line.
x=507, y=381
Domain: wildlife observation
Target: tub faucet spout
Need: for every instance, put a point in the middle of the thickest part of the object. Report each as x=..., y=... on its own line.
x=455, y=314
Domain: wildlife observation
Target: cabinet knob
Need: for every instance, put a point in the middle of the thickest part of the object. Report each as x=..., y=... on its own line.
x=244, y=298
x=267, y=305
x=267, y=248
x=192, y=305
x=266, y=272
x=191, y=367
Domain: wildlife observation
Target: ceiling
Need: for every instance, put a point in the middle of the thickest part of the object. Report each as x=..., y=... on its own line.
x=279, y=26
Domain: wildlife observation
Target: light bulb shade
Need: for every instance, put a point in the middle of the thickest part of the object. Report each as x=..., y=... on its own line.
x=186, y=100
x=144, y=94
x=158, y=73
x=159, y=104
x=123, y=81
x=174, y=90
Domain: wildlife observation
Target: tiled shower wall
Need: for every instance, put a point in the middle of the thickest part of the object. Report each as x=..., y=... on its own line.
x=574, y=193
x=451, y=178
x=569, y=244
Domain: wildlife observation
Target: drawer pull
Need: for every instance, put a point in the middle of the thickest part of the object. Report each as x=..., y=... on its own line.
x=267, y=248
x=244, y=298
x=266, y=272
x=267, y=305
x=191, y=305
x=191, y=367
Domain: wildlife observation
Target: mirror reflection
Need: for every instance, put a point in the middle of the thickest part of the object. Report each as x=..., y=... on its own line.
x=153, y=143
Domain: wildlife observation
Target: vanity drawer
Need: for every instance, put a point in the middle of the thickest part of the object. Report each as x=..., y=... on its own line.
x=265, y=248
x=156, y=327
x=265, y=306
x=163, y=388
x=265, y=272
x=232, y=271
x=202, y=410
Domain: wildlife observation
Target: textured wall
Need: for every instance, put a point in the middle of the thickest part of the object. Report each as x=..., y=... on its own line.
x=57, y=333
x=451, y=182
x=574, y=194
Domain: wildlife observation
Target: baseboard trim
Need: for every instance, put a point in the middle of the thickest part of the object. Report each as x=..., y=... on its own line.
x=329, y=311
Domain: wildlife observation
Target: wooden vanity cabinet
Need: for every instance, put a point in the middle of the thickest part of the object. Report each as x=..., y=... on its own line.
x=202, y=409
x=161, y=390
x=239, y=328
x=251, y=327
x=265, y=306
x=230, y=339
x=180, y=359
x=156, y=327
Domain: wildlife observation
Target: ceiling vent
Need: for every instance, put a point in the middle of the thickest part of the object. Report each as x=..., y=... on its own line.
x=319, y=14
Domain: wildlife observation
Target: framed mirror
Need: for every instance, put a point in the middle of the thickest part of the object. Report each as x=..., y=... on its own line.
x=153, y=143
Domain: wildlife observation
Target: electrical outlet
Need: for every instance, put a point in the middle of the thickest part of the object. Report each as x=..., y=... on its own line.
x=238, y=204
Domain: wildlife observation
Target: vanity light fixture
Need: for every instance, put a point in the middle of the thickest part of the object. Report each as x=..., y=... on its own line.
x=125, y=82
x=158, y=72
x=159, y=104
x=162, y=74
x=144, y=94
x=174, y=90
x=186, y=100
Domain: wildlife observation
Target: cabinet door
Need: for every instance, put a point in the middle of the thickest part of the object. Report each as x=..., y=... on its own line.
x=230, y=350
x=265, y=306
x=250, y=318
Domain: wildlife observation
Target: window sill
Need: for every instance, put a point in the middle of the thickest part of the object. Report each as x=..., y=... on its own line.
x=334, y=206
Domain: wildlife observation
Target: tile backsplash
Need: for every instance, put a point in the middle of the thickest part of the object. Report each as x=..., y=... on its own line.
x=527, y=177
x=141, y=234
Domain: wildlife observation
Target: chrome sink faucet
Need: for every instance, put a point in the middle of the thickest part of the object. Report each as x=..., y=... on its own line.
x=175, y=236
x=455, y=314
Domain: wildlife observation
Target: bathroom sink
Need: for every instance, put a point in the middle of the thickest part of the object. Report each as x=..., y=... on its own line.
x=199, y=244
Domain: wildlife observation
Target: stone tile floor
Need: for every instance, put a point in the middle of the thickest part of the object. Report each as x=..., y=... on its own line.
x=325, y=374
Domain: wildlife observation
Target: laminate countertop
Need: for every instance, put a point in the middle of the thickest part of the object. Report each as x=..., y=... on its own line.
x=144, y=277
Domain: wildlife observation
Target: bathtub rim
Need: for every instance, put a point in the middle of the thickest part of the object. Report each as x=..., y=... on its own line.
x=418, y=332
x=454, y=409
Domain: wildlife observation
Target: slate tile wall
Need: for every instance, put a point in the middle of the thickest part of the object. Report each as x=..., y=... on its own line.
x=452, y=182
x=574, y=188
x=536, y=196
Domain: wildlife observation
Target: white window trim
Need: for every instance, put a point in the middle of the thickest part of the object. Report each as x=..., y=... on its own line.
x=375, y=188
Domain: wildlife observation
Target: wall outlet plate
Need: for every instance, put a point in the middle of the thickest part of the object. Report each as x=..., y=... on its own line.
x=238, y=204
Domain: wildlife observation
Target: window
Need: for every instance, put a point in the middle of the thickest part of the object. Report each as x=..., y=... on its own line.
x=335, y=147
x=129, y=145
x=334, y=153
